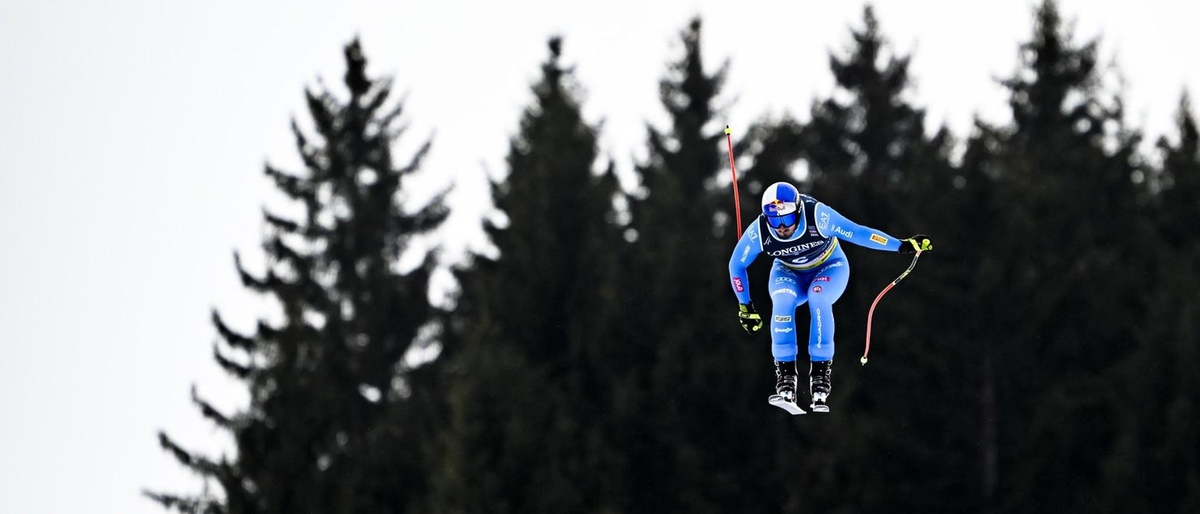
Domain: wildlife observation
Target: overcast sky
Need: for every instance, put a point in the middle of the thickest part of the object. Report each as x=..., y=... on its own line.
x=133, y=135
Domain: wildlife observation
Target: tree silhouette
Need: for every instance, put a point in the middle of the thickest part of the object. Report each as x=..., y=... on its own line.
x=1067, y=228
x=324, y=377
x=531, y=366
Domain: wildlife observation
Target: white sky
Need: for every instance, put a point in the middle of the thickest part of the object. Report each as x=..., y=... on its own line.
x=132, y=139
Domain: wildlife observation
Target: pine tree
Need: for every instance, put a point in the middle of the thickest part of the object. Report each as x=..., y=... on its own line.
x=1155, y=465
x=691, y=360
x=1064, y=241
x=324, y=378
x=974, y=279
x=869, y=157
x=533, y=370
x=869, y=139
x=1181, y=182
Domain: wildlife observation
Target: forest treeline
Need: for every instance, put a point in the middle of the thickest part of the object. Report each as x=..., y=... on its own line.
x=1043, y=359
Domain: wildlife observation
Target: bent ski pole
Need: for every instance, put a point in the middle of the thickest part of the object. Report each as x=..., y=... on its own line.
x=737, y=203
x=871, y=312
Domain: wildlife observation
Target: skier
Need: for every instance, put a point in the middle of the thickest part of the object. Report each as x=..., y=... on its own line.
x=802, y=235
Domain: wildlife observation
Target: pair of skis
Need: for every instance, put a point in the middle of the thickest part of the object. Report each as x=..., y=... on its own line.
x=792, y=408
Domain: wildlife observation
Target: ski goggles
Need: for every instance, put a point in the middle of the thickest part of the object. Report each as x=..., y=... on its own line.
x=783, y=220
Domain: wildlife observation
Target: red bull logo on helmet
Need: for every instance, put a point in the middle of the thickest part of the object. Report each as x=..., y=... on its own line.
x=780, y=199
x=779, y=208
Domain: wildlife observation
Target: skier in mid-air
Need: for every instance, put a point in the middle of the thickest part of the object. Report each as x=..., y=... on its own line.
x=802, y=235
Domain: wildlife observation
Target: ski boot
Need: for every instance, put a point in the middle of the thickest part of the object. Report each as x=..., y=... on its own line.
x=785, y=388
x=820, y=383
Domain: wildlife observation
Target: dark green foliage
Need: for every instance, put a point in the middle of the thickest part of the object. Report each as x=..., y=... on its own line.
x=691, y=367
x=1041, y=359
x=1155, y=464
x=870, y=158
x=325, y=377
x=1180, y=183
x=1065, y=192
x=533, y=363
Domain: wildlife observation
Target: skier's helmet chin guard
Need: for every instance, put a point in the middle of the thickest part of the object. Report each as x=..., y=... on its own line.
x=781, y=205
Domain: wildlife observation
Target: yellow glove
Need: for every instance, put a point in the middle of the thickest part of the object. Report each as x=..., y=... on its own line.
x=749, y=318
x=919, y=242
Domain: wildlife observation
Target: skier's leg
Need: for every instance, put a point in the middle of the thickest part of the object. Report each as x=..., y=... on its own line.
x=786, y=295
x=825, y=287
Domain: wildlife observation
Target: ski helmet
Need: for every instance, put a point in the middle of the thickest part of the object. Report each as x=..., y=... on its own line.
x=781, y=205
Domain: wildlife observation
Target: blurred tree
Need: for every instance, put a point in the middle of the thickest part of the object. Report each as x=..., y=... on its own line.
x=869, y=157
x=973, y=280
x=1180, y=183
x=1155, y=466
x=692, y=362
x=534, y=375
x=861, y=151
x=593, y=364
x=324, y=378
x=1064, y=238
x=867, y=153
x=695, y=363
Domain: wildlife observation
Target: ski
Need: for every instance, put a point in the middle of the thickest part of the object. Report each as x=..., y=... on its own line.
x=786, y=405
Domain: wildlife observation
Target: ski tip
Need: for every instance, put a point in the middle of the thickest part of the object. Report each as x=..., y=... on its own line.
x=727, y=131
x=791, y=407
x=863, y=360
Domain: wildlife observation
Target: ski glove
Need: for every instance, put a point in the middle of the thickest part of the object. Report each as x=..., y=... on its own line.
x=913, y=244
x=749, y=318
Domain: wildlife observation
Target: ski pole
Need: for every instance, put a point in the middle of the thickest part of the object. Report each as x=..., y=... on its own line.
x=737, y=203
x=871, y=312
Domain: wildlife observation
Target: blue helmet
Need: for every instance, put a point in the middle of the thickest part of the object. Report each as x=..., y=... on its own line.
x=781, y=205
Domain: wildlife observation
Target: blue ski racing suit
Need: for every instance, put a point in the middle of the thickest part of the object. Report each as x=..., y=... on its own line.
x=809, y=267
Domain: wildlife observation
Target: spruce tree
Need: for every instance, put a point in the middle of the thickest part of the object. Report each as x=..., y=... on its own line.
x=326, y=375
x=1155, y=465
x=974, y=278
x=868, y=154
x=702, y=424
x=1069, y=231
x=869, y=157
x=532, y=374
x=1180, y=180
x=870, y=138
